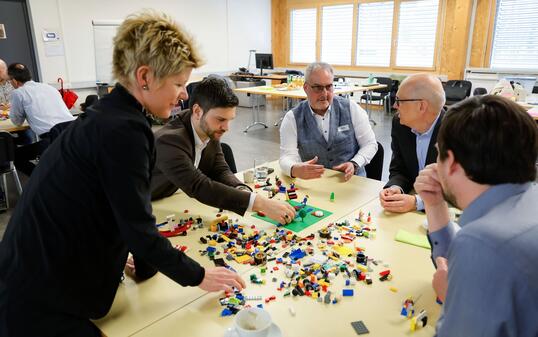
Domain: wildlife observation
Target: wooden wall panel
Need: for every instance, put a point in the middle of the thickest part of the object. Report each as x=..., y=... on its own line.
x=456, y=36
x=483, y=26
x=453, y=44
x=279, y=32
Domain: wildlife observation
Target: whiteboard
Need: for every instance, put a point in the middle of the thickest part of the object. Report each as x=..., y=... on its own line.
x=103, y=35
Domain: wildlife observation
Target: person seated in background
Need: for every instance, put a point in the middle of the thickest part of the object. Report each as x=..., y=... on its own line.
x=419, y=100
x=325, y=131
x=486, y=265
x=190, y=158
x=41, y=105
x=5, y=86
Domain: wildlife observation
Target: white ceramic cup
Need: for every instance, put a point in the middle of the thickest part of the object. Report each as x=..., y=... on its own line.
x=252, y=322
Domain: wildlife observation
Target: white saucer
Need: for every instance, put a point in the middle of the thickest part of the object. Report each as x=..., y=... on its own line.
x=274, y=331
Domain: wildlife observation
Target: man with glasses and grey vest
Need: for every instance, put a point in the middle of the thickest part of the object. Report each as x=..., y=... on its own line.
x=325, y=131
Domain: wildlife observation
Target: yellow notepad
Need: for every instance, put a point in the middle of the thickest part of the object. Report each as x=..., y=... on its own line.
x=412, y=239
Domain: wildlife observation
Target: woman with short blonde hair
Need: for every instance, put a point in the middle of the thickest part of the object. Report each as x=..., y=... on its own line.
x=88, y=201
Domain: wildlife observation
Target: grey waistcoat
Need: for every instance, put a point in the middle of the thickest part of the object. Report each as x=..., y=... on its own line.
x=342, y=145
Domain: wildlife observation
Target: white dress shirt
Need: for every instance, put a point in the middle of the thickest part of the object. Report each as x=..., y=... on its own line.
x=40, y=104
x=199, y=147
x=289, y=152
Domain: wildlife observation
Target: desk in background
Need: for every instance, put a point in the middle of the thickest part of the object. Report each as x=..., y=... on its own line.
x=298, y=94
x=159, y=307
x=274, y=77
x=7, y=126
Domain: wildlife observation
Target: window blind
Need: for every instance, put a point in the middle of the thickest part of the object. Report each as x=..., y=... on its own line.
x=515, y=38
x=303, y=35
x=417, y=27
x=336, y=34
x=374, y=33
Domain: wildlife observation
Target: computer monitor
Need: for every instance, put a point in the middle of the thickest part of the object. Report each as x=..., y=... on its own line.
x=264, y=61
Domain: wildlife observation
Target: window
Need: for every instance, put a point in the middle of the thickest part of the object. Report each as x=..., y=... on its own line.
x=303, y=35
x=374, y=33
x=389, y=34
x=337, y=31
x=417, y=28
x=515, y=38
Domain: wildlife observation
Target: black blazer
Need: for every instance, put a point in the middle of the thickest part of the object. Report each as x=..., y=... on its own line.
x=404, y=163
x=87, y=204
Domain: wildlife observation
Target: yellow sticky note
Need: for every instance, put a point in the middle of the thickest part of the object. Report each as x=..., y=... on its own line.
x=418, y=240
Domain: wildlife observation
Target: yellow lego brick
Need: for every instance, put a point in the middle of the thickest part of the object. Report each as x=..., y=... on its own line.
x=362, y=268
x=243, y=259
x=225, y=238
x=343, y=250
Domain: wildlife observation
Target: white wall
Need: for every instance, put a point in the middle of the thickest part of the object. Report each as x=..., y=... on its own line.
x=225, y=31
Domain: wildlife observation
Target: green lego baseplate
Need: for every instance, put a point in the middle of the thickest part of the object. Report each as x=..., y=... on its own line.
x=297, y=225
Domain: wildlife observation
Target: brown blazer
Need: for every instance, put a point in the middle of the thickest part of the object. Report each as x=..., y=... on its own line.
x=212, y=183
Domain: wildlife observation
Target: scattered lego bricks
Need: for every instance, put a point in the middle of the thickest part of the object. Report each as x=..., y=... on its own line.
x=304, y=268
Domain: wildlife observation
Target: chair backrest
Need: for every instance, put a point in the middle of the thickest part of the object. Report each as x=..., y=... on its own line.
x=374, y=170
x=229, y=156
x=7, y=150
x=57, y=130
x=456, y=90
x=384, y=80
x=479, y=91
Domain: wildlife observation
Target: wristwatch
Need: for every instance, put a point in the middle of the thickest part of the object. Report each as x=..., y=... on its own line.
x=356, y=166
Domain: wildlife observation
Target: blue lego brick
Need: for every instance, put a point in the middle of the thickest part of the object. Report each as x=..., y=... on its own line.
x=347, y=292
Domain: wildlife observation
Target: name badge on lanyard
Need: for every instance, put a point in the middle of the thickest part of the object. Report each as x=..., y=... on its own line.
x=343, y=128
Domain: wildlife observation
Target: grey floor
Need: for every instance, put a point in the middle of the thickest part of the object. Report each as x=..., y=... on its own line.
x=257, y=143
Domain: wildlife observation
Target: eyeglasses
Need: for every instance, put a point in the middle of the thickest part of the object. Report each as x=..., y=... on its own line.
x=319, y=88
x=397, y=100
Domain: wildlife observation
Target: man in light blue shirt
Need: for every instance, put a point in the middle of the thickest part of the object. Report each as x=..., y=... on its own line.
x=486, y=267
x=419, y=101
x=38, y=103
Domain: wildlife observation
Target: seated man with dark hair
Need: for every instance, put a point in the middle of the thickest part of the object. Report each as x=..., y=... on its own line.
x=486, y=264
x=190, y=158
x=38, y=103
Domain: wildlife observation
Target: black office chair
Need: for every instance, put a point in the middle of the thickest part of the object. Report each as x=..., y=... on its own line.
x=392, y=95
x=7, y=156
x=479, y=91
x=229, y=156
x=383, y=94
x=456, y=91
x=57, y=130
x=374, y=170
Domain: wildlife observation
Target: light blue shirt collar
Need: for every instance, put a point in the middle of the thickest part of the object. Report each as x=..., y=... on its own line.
x=489, y=199
x=430, y=130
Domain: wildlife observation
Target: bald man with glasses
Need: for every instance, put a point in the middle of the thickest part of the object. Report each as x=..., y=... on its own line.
x=419, y=100
x=325, y=131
